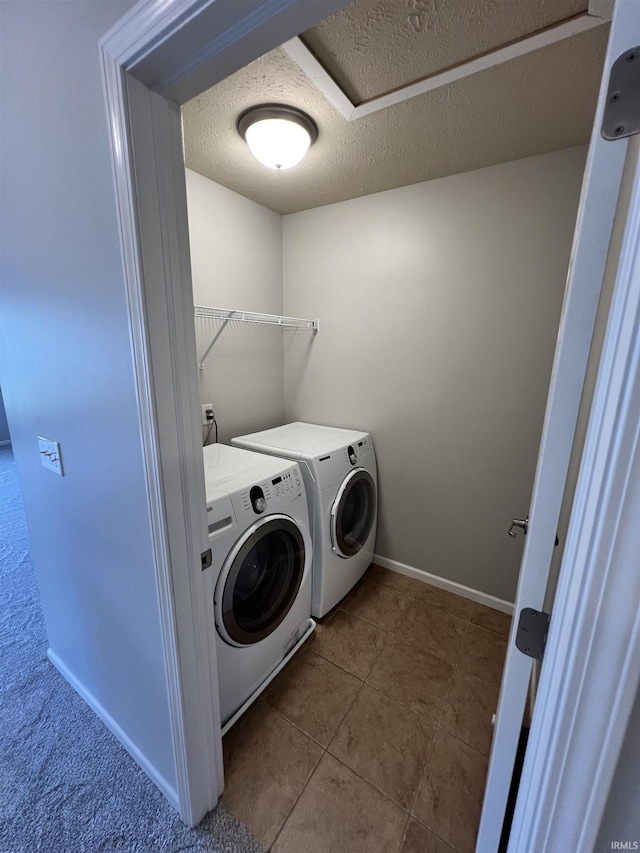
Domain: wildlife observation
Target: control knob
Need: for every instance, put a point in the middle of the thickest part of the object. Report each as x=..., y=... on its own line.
x=352, y=455
x=258, y=501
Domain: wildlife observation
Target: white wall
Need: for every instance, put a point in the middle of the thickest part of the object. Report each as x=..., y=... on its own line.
x=439, y=306
x=236, y=262
x=67, y=367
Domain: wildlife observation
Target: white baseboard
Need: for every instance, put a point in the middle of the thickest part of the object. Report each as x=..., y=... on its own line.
x=443, y=583
x=115, y=730
x=7, y=441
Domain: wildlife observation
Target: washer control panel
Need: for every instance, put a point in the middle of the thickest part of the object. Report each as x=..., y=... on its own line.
x=284, y=488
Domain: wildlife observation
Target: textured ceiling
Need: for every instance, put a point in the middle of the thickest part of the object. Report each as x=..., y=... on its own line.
x=371, y=47
x=542, y=101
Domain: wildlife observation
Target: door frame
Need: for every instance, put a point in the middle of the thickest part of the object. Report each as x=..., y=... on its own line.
x=157, y=57
x=591, y=673
x=603, y=202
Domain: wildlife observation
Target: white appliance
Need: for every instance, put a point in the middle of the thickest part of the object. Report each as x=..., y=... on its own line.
x=260, y=575
x=340, y=475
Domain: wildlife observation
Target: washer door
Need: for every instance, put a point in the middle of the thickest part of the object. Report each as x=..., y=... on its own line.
x=259, y=580
x=353, y=513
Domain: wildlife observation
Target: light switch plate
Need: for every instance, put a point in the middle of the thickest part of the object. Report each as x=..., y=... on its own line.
x=50, y=455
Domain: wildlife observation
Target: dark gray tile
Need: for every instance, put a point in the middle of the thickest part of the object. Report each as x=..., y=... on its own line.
x=483, y=653
x=267, y=762
x=313, y=693
x=432, y=630
x=377, y=604
x=385, y=743
x=394, y=580
x=451, y=603
x=449, y=799
x=350, y=643
x=468, y=709
x=339, y=812
x=491, y=620
x=418, y=839
x=410, y=675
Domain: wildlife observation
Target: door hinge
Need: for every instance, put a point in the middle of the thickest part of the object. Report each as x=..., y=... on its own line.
x=207, y=559
x=621, y=116
x=531, y=636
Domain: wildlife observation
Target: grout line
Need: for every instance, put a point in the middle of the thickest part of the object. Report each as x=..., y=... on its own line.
x=384, y=631
x=324, y=752
x=302, y=790
x=374, y=664
x=296, y=726
x=435, y=835
x=404, y=834
x=351, y=704
x=454, y=666
x=324, y=748
x=348, y=672
x=422, y=769
x=366, y=621
x=429, y=750
x=436, y=727
x=370, y=784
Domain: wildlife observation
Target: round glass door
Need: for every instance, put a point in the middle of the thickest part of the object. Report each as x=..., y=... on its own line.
x=353, y=513
x=262, y=580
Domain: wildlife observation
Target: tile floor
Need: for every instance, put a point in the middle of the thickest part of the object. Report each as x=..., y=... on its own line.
x=375, y=738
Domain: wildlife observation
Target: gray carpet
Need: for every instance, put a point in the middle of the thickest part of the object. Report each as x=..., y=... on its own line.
x=65, y=783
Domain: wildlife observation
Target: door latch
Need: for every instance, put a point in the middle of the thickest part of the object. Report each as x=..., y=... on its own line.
x=207, y=559
x=522, y=523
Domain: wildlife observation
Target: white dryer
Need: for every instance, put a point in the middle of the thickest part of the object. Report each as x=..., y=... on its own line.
x=340, y=474
x=260, y=576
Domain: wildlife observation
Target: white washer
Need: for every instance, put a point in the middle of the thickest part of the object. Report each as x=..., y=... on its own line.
x=340, y=475
x=260, y=576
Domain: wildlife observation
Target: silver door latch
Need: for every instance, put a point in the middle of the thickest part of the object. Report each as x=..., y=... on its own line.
x=522, y=523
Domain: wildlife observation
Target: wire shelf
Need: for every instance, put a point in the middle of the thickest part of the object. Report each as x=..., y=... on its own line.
x=227, y=314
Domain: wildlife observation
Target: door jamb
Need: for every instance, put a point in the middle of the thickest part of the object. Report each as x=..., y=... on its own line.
x=591, y=673
x=155, y=58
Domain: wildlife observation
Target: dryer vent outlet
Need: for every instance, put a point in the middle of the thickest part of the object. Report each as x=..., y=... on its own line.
x=207, y=414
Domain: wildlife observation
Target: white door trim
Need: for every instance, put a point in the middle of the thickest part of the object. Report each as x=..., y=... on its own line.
x=591, y=670
x=155, y=58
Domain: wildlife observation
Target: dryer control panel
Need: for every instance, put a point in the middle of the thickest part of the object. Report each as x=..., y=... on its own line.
x=358, y=450
x=286, y=487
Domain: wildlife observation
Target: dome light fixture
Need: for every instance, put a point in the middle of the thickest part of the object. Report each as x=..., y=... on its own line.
x=278, y=136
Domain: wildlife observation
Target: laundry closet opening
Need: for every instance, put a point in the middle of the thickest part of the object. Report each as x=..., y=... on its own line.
x=430, y=237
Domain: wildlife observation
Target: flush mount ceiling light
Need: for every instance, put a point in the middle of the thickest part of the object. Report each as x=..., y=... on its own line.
x=278, y=136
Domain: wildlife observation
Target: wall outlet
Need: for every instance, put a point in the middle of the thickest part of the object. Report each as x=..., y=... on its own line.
x=207, y=414
x=50, y=455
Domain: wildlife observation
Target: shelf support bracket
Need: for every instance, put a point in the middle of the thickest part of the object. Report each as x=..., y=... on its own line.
x=216, y=336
